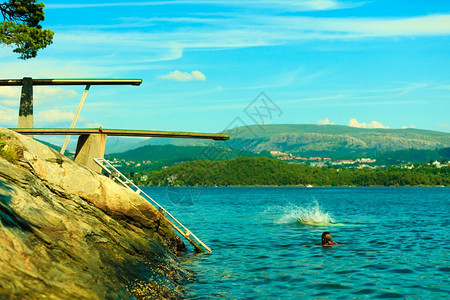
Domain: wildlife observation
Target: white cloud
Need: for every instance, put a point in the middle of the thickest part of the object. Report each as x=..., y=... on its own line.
x=133, y=47
x=10, y=103
x=8, y=117
x=53, y=93
x=374, y=124
x=292, y=5
x=184, y=76
x=10, y=92
x=324, y=4
x=42, y=94
x=378, y=27
x=444, y=126
x=54, y=115
x=325, y=121
x=443, y=87
x=410, y=126
x=93, y=125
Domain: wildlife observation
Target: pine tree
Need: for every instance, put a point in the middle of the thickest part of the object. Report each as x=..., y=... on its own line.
x=21, y=28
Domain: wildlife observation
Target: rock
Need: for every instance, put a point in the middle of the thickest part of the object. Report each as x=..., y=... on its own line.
x=67, y=232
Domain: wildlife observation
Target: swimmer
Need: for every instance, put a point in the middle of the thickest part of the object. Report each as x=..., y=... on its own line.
x=327, y=240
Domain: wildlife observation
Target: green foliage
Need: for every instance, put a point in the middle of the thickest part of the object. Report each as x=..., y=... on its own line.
x=265, y=171
x=445, y=153
x=8, y=151
x=421, y=156
x=21, y=27
x=168, y=155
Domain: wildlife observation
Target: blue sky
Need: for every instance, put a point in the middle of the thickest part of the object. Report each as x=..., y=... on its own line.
x=361, y=63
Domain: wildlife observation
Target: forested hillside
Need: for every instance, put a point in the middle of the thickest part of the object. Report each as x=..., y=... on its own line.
x=265, y=171
x=315, y=139
x=154, y=157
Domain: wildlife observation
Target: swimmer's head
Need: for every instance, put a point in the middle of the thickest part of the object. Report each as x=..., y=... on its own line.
x=327, y=239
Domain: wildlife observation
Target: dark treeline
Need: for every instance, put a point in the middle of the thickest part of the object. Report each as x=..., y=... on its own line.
x=265, y=171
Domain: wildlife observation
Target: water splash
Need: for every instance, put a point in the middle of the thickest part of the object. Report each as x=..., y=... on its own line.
x=310, y=214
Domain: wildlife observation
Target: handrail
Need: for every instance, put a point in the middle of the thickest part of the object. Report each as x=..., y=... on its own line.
x=122, y=179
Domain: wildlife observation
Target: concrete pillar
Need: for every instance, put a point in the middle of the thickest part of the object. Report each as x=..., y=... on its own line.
x=26, y=104
x=89, y=147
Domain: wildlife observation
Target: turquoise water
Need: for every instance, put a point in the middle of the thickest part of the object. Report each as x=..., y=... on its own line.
x=393, y=242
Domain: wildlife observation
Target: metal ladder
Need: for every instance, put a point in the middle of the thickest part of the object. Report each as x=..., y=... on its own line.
x=122, y=179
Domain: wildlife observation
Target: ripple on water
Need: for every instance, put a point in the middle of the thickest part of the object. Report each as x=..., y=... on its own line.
x=402, y=271
x=390, y=296
x=377, y=267
x=259, y=269
x=444, y=269
x=364, y=292
x=328, y=286
x=322, y=294
x=297, y=279
x=431, y=289
x=343, y=272
x=378, y=242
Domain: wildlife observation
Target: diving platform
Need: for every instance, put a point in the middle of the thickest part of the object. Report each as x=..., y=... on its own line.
x=26, y=97
x=92, y=141
x=121, y=132
x=69, y=81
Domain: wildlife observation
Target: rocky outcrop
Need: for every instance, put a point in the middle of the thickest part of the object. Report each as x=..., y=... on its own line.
x=67, y=232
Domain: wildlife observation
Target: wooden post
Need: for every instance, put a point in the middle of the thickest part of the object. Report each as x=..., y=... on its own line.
x=89, y=147
x=26, y=104
x=75, y=118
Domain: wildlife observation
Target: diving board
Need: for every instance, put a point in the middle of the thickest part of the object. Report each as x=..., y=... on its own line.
x=92, y=141
x=121, y=132
x=69, y=81
x=26, y=96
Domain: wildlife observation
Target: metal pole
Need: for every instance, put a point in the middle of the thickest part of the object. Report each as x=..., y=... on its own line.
x=75, y=118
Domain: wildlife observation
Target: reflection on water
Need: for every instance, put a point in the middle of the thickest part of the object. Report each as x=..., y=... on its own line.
x=390, y=242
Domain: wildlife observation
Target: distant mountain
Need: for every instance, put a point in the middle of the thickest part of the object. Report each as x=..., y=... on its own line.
x=306, y=139
x=387, y=146
x=123, y=144
x=116, y=144
x=334, y=140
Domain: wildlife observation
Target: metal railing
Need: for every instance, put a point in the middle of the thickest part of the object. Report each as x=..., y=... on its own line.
x=123, y=180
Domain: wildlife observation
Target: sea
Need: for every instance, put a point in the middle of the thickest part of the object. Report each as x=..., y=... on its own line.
x=394, y=242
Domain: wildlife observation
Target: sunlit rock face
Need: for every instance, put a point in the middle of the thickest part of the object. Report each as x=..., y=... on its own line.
x=67, y=232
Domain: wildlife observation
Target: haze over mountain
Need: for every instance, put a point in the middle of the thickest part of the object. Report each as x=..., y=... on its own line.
x=306, y=139
x=314, y=139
